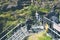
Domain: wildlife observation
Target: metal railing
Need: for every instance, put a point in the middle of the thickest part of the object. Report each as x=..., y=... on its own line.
x=51, y=28
x=10, y=32
x=6, y=30
x=19, y=35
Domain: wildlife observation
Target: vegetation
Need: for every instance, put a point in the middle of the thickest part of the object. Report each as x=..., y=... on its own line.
x=39, y=36
x=12, y=18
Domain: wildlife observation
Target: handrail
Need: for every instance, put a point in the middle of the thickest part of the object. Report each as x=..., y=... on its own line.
x=14, y=34
x=19, y=33
x=10, y=31
x=5, y=29
x=52, y=29
x=49, y=20
x=54, y=32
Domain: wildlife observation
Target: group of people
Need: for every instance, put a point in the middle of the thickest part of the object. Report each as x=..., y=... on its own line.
x=53, y=16
x=30, y=21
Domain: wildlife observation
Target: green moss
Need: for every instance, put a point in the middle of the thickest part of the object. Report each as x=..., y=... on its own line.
x=45, y=38
x=39, y=36
x=44, y=10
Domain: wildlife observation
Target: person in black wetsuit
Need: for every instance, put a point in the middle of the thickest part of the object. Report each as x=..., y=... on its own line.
x=28, y=23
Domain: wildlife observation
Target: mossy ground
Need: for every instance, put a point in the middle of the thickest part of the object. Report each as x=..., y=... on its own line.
x=39, y=36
